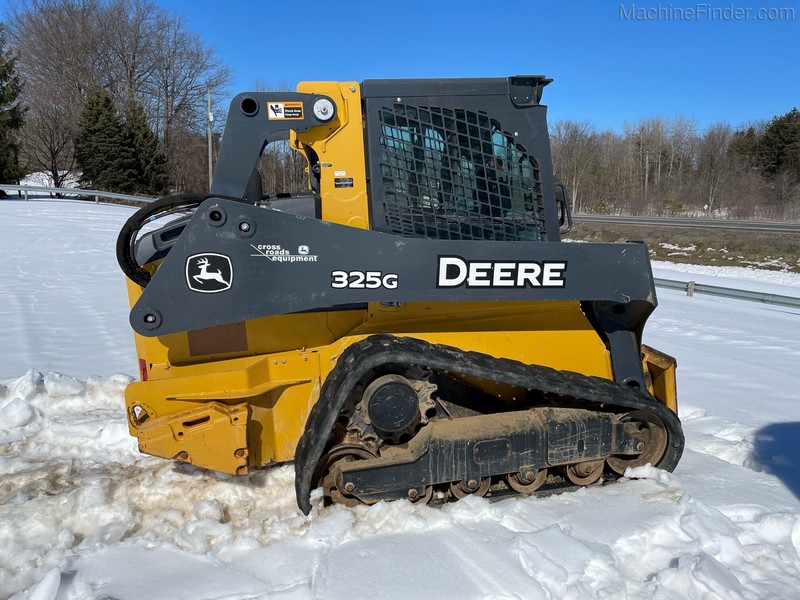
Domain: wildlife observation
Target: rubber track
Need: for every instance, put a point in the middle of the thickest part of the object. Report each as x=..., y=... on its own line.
x=360, y=358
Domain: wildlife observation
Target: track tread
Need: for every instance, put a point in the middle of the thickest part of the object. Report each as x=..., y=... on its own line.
x=367, y=354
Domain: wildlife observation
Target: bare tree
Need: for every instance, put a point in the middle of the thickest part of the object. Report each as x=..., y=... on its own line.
x=715, y=163
x=127, y=50
x=133, y=49
x=645, y=154
x=189, y=167
x=573, y=148
x=49, y=133
x=184, y=69
x=56, y=74
x=784, y=192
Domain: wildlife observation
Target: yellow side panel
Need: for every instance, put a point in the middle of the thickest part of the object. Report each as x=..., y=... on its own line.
x=340, y=148
x=279, y=388
x=212, y=435
x=149, y=350
x=553, y=334
x=660, y=368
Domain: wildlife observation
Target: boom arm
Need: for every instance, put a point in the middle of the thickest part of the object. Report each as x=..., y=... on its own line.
x=256, y=119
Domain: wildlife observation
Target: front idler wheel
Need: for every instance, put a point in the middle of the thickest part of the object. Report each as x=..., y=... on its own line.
x=333, y=491
x=652, y=444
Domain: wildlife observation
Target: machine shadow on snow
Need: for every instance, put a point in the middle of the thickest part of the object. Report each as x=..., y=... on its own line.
x=777, y=451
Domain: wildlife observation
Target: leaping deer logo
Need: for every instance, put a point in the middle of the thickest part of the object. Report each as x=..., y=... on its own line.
x=205, y=275
x=209, y=273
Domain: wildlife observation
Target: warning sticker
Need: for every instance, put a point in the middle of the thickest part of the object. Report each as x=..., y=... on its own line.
x=285, y=110
x=343, y=182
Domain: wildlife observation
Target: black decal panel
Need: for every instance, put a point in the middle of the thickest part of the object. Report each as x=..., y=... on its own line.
x=285, y=263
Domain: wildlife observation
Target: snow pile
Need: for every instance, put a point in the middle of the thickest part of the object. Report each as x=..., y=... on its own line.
x=746, y=278
x=84, y=515
x=59, y=438
x=42, y=179
x=678, y=250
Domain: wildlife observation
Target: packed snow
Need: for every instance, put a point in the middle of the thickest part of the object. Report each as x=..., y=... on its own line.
x=42, y=179
x=84, y=515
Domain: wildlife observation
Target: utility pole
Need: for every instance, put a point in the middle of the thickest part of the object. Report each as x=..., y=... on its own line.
x=210, y=121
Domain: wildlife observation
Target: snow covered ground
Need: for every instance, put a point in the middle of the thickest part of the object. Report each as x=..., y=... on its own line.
x=83, y=515
x=42, y=179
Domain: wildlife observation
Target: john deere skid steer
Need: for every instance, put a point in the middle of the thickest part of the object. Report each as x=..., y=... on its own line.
x=411, y=326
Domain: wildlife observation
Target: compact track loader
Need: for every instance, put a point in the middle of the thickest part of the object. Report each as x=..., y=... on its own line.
x=411, y=326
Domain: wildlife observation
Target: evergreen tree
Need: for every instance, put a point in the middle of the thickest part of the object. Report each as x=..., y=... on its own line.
x=11, y=115
x=104, y=147
x=745, y=144
x=779, y=147
x=151, y=172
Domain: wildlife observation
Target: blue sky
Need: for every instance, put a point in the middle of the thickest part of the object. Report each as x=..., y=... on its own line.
x=607, y=68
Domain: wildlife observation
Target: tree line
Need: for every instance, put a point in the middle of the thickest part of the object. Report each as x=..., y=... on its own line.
x=666, y=166
x=95, y=75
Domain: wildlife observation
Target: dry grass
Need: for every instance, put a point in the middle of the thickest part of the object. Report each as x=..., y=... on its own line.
x=720, y=247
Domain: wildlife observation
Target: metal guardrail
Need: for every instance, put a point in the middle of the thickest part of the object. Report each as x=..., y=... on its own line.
x=692, y=287
x=96, y=194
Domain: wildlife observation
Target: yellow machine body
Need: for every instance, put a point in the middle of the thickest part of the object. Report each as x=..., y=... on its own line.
x=238, y=396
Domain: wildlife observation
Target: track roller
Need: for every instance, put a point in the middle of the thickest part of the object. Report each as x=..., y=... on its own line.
x=584, y=473
x=527, y=481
